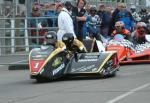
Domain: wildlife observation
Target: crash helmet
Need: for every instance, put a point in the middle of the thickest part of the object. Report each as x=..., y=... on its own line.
x=141, y=27
x=118, y=37
x=93, y=9
x=68, y=38
x=51, y=37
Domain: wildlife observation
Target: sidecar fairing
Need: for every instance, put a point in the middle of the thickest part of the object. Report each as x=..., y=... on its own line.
x=93, y=64
x=52, y=64
x=129, y=53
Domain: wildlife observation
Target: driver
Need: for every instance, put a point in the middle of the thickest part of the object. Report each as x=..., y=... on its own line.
x=120, y=29
x=73, y=44
x=138, y=36
x=51, y=39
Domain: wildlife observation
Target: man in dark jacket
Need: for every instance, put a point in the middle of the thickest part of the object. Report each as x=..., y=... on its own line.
x=79, y=18
x=105, y=17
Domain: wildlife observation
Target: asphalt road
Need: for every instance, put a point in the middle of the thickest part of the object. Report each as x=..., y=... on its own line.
x=131, y=85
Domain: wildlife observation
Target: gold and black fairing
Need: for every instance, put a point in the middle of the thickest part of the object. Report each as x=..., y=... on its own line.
x=55, y=67
x=53, y=63
x=94, y=64
x=47, y=63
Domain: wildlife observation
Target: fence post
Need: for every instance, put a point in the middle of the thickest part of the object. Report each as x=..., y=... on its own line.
x=12, y=35
x=0, y=48
x=26, y=36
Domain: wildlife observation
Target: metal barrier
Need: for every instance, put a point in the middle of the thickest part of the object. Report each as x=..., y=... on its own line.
x=13, y=36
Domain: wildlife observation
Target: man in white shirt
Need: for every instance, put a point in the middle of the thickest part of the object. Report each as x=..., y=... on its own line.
x=65, y=23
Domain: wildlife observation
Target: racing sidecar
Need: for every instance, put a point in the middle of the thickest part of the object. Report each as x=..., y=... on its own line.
x=50, y=63
x=128, y=53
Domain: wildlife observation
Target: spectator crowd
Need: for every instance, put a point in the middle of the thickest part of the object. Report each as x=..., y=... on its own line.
x=91, y=20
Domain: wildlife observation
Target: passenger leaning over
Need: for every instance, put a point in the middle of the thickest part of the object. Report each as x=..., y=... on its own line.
x=120, y=29
x=138, y=36
x=65, y=23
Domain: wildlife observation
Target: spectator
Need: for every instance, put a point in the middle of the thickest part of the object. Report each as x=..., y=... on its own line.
x=37, y=25
x=113, y=20
x=143, y=13
x=145, y=16
x=87, y=7
x=135, y=15
x=80, y=17
x=105, y=15
x=122, y=14
x=65, y=22
x=125, y=16
x=93, y=23
x=50, y=12
x=109, y=9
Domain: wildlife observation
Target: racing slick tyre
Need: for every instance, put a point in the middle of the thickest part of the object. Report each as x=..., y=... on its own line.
x=111, y=67
x=112, y=75
x=42, y=80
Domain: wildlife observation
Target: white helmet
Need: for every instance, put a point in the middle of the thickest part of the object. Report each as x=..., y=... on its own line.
x=141, y=24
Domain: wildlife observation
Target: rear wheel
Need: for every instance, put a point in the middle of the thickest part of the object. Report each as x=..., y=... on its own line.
x=111, y=67
x=112, y=75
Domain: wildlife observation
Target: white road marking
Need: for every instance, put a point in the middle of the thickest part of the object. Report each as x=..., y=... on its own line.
x=128, y=93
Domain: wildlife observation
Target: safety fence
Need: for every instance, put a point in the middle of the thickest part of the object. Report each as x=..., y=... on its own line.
x=16, y=37
x=15, y=33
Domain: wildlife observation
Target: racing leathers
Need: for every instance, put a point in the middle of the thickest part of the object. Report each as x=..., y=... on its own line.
x=60, y=44
x=80, y=45
x=136, y=38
